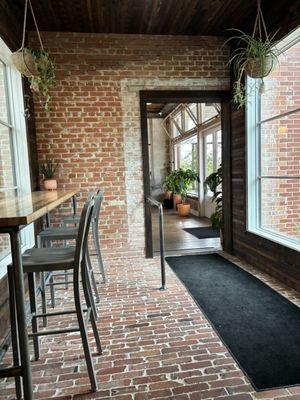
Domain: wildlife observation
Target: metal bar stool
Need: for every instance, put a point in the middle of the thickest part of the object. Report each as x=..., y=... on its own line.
x=73, y=220
x=56, y=259
x=63, y=234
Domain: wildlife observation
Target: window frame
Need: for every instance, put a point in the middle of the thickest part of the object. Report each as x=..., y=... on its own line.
x=15, y=104
x=253, y=147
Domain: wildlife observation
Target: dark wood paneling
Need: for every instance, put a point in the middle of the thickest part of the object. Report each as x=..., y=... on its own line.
x=172, y=17
x=280, y=261
x=226, y=171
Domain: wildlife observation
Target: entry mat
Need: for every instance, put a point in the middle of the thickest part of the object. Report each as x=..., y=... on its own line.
x=203, y=232
x=259, y=327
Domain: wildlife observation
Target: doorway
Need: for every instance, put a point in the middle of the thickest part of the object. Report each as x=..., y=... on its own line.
x=183, y=130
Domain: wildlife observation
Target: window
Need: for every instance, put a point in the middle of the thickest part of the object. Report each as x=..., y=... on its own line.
x=14, y=166
x=187, y=157
x=274, y=148
x=190, y=116
x=213, y=152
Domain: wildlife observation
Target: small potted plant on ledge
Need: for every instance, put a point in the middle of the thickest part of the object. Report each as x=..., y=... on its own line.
x=48, y=169
x=214, y=183
x=179, y=182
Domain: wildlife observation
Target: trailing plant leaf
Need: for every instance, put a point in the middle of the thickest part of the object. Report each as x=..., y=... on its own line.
x=44, y=79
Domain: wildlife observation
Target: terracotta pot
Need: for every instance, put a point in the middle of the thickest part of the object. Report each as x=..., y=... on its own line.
x=168, y=194
x=184, y=209
x=176, y=200
x=259, y=68
x=50, y=184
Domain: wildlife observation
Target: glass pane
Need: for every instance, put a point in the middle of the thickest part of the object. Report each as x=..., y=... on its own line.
x=219, y=148
x=4, y=245
x=175, y=131
x=7, y=176
x=209, y=154
x=189, y=122
x=188, y=156
x=280, y=146
x=281, y=91
x=280, y=206
x=208, y=112
x=3, y=97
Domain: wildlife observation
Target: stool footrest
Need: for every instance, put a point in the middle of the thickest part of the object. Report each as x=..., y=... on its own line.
x=58, y=283
x=10, y=372
x=54, y=332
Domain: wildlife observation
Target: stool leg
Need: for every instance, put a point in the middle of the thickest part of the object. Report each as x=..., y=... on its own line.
x=87, y=295
x=51, y=280
x=43, y=287
x=33, y=309
x=44, y=299
x=90, y=287
x=83, y=332
x=92, y=276
x=98, y=252
x=14, y=330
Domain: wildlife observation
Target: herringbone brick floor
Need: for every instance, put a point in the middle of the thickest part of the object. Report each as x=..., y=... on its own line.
x=157, y=345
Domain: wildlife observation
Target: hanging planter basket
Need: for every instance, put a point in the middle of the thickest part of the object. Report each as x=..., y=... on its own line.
x=260, y=67
x=24, y=61
x=35, y=65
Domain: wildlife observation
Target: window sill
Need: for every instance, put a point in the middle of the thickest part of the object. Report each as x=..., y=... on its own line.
x=276, y=238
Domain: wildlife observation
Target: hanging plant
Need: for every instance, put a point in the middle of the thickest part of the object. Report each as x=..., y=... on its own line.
x=35, y=65
x=255, y=57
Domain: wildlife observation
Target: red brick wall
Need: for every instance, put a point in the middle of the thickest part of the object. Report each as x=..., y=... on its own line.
x=93, y=130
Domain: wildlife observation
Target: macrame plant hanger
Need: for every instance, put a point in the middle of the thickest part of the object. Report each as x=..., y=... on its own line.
x=21, y=58
x=260, y=25
x=260, y=33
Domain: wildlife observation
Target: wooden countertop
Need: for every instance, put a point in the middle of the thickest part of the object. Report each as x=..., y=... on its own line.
x=23, y=209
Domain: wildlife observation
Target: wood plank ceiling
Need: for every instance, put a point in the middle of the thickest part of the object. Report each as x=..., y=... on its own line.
x=174, y=17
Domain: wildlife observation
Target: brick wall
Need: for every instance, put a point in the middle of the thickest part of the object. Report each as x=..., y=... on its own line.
x=94, y=128
x=281, y=146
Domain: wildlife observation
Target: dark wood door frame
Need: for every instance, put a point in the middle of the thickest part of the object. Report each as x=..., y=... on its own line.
x=190, y=96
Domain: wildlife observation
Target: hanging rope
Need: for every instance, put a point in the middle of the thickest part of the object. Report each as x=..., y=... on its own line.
x=25, y=23
x=259, y=23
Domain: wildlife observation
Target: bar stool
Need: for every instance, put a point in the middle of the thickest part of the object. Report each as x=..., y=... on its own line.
x=56, y=259
x=63, y=234
x=73, y=220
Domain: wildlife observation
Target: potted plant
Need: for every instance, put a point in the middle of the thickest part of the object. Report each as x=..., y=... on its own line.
x=35, y=65
x=179, y=182
x=48, y=170
x=38, y=68
x=214, y=183
x=255, y=56
x=167, y=195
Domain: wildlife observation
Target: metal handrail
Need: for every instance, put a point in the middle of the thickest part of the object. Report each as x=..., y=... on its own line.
x=161, y=239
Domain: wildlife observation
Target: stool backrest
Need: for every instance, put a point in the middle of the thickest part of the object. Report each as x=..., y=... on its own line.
x=83, y=232
x=97, y=206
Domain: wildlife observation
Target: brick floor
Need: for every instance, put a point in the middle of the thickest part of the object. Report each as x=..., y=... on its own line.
x=157, y=345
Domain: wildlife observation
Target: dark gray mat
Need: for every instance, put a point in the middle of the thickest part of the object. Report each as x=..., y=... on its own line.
x=260, y=327
x=203, y=232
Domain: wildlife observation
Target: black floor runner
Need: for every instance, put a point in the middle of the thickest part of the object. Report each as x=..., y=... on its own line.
x=203, y=232
x=260, y=327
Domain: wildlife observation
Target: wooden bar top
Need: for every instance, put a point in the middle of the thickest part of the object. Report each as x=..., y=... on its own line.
x=23, y=209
